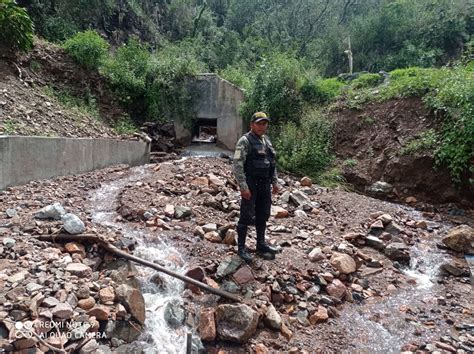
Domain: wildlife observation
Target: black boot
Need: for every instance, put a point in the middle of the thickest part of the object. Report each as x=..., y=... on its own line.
x=242, y=235
x=262, y=247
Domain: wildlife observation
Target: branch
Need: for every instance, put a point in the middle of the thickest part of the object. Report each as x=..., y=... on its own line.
x=112, y=249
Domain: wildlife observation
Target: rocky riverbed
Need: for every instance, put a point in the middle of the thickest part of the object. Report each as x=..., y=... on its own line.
x=354, y=274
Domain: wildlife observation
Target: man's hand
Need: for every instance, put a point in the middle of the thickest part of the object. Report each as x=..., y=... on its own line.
x=275, y=188
x=245, y=193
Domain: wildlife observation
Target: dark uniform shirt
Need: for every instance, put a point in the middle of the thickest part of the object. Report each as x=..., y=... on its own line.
x=242, y=150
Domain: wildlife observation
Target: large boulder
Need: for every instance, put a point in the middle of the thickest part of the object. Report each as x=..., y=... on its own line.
x=133, y=301
x=236, y=323
x=343, y=263
x=460, y=239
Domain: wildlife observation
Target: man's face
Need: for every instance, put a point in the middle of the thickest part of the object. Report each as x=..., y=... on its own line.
x=259, y=128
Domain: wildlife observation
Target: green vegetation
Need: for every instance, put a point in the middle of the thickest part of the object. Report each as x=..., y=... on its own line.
x=125, y=126
x=16, y=27
x=426, y=141
x=9, y=127
x=88, y=48
x=350, y=163
x=85, y=105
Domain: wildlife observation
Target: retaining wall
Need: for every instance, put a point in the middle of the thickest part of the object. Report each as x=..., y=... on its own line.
x=23, y=159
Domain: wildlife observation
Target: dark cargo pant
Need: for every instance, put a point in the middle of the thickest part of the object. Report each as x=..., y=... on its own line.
x=256, y=210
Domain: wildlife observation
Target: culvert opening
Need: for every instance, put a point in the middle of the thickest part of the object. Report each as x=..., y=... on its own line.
x=205, y=131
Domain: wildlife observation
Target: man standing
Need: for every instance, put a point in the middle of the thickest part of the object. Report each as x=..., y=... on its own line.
x=255, y=172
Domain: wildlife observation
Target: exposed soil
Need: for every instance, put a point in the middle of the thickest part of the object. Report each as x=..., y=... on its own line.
x=373, y=138
x=27, y=109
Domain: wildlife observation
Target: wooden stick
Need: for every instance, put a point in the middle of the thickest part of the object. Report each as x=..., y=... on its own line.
x=112, y=249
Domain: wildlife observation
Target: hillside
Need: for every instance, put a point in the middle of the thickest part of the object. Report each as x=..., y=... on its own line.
x=46, y=93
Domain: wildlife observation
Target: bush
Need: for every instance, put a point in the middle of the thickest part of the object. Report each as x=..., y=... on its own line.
x=366, y=80
x=305, y=148
x=57, y=29
x=87, y=48
x=321, y=91
x=16, y=27
x=454, y=99
x=126, y=71
x=275, y=90
x=423, y=143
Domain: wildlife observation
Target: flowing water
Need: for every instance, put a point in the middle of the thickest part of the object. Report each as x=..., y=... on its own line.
x=382, y=326
x=158, y=336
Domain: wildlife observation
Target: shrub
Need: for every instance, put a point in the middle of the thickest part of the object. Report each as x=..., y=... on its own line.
x=425, y=142
x=126, y=71
x=57, y=29
x=321, y=91
x=275, y=90
x=305, y=148
x=87, y=48
x=454, y=99
x=366, y=80
x=16, y=27
x=124, y=126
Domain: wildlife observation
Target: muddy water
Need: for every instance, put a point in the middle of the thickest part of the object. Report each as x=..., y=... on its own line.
x=382, y=326
x=158, y=337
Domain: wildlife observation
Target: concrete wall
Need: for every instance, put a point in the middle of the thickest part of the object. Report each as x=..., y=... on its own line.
x=23, y=159
x=219, y=99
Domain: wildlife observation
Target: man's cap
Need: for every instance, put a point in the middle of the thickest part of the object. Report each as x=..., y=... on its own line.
x=259, y=116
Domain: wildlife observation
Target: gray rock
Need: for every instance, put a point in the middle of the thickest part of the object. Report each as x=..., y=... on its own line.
x=80, y=331
x=73, y=225
x=209, y=227
x=393, y=228
x=90, y=347
x=272, y=318
x=285, y=197
x=62, y=310
x=174, y=314
x=181, y=212
x=8, y=242
x=50, y=302
x=300, y=199
x=54, y=211
x=79, y=269
x=11, y=213
x=32, y=287
x=375, y=242
x=399, y=252
x=380, y=188
x=132, y=299
x=316, y=255
x=236, y=323
x=228, y=266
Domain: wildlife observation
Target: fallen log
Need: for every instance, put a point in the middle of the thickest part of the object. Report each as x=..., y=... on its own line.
x=112, y=249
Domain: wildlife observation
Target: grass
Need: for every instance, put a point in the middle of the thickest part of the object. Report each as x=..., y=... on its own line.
x=124, y=126
x=10, y=127
x=426, y=141
x=86, y=105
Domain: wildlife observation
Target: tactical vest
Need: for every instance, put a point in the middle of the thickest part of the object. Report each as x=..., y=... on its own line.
x=260, y=162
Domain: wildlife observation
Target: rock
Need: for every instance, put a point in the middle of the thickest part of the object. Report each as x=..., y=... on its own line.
x=394, y=229
x=300, y=199
x=380, y=188
x=272, y=318
x=74, y=247
x=8, y=242
x=286, y=332
x=182, y=212
x=62, y=310
x=54, y=211
x=336, y=289
x=343, y=263
x=385, y=218
x=306, y=182
x=196, y=273
x=133, y=301
x=230, y=238
x=32, y=287
x=169, y=210
x=90, y=347
x=79, y=269
x=316, y=255
x=279, y=212
x=261, y=349
x=18, y=277
x=213, y=179
x=236, y=323
x=73, y=225
x=460, y=239
x=421, y=224
x=11, y=213
x=107, y=294
x=24, y=343
x=213, y=236
x=454, y=268
x=86, y=304
x=377, y=225
x=228, y=266
x=321, y=315
x=200, y=181
x=374, y=242
x=174, y=313
x=100, y=312
x=207, y=325
x=209, y=227
x=300, y=214
x=50, y=302
x=285, y=197
x=398, y=251
x=243, y=275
